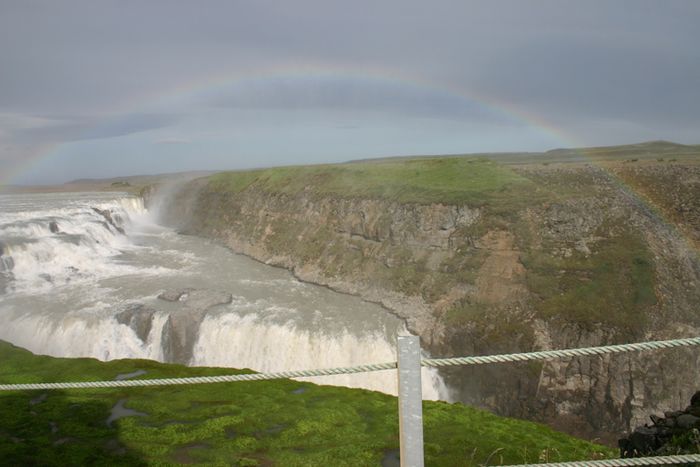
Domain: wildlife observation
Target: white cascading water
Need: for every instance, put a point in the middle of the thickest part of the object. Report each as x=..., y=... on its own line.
x=80, y=276
x=80, y=335
x=79, y=247
x=249, y=342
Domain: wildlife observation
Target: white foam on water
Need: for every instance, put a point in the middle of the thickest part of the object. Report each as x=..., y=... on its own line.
x=247, y=341
x=84, y=246
x=227, y=340
x=82, y=335
x=87, y=271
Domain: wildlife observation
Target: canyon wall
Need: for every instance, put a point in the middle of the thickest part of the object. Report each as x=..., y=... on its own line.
x=586, y=256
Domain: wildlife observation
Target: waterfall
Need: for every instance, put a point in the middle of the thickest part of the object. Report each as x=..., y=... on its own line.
x=81, y=276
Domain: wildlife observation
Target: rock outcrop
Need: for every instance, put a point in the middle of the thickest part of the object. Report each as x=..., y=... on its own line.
x=139, y=318
x=180, y=330
x=110, y=220
x=677, y=432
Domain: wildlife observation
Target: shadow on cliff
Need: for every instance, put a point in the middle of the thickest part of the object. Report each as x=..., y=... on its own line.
x=54, y=428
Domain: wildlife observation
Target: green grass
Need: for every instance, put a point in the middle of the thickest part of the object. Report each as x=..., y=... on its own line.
x=443, y=180
x=256, y=423
x=614, y=286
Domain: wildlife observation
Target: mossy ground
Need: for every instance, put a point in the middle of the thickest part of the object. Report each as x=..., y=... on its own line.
x=476, y=182
x=256, y=423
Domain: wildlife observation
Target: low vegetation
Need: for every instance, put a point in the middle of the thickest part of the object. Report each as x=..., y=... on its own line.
x=257, y=423
x=475, y=182
x=613, y=287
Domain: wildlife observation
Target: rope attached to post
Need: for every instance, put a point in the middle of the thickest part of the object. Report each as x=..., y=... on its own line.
x=430, y=362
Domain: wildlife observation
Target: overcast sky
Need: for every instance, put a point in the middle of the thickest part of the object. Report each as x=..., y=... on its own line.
x=104, y=88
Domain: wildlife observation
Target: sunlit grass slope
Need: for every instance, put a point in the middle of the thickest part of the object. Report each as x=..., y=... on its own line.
x=445, y=180
x=258, y=423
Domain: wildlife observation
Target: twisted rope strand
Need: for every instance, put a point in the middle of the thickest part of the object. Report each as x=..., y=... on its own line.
x=660, y=460
x=202, y=379
x=552, y=354
x=430, y=362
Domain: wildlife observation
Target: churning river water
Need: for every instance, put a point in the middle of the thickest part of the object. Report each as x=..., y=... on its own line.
x=94, y=275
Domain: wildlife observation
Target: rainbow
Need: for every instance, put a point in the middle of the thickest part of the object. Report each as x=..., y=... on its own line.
x=317, y=72
x=313, y=72
x=197, y=90
x=188, y=92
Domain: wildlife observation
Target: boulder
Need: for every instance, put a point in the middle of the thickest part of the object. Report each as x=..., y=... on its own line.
x=174, y=295
x=671, y=434
x=139, y=318
x=642, y=442
x=687, y=421
x=181, y=330
x=202, y=300
x=197, y=299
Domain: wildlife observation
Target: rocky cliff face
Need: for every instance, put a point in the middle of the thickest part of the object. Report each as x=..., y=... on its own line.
x=590, y=261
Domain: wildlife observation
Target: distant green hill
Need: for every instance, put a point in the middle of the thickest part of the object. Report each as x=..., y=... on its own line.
x=257, y=423
x=650, y=148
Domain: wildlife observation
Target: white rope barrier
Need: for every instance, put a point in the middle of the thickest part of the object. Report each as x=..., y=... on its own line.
x=552, y=354
x=201, y=379
x=660, y=460
x=431, y=362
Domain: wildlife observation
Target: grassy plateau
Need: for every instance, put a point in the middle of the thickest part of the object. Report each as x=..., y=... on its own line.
x=442, y=180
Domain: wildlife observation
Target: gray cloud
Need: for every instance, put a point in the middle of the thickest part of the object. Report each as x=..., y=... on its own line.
x=173, y=141
x=105, y=70
x=89, y=128
x=351, y=94
x=598, y=79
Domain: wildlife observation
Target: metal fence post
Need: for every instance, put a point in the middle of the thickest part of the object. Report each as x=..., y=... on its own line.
x=410, y=402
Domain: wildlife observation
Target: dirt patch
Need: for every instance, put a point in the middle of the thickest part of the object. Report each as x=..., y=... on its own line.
x=500, y=278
